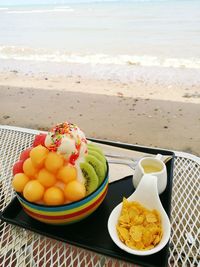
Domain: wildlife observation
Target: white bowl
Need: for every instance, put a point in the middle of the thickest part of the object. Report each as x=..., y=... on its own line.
x=147, y=195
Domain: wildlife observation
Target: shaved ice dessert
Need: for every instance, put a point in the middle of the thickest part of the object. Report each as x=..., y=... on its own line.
x=60, y=167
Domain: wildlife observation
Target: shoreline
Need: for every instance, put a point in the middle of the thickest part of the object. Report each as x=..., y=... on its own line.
x=172, y=90
x=141, y=112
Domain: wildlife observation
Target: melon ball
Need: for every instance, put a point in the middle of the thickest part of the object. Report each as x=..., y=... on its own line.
x=19, y=181
x=29, y=169
x=53, y=162
x=46, y=178
x=74, y=190
x=54, y=196
x=67, y=173
x=38, y=155
x=33, y=191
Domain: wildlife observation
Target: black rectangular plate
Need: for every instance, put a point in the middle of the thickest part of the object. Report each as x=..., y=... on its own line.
x=92, y=233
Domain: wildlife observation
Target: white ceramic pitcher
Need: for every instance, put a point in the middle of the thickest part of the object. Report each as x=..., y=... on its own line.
x=151, y=166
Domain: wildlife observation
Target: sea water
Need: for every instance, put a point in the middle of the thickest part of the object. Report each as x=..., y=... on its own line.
x=104, y=35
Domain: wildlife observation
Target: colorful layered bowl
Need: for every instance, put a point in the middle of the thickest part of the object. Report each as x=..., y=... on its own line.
x=68, y=213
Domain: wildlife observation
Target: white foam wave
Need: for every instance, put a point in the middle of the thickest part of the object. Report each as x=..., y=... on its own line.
x=52, y=10
x=42, y=55
x=3, y=8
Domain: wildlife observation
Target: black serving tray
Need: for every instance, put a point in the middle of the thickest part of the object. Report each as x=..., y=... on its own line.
x=92, y=232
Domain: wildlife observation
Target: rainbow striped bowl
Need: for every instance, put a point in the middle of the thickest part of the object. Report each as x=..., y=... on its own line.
x=68, y=213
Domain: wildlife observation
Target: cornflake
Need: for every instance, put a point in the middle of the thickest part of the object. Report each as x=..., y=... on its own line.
x=138, y=227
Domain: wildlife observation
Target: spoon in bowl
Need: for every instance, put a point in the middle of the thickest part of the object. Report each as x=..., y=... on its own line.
x=147, y=195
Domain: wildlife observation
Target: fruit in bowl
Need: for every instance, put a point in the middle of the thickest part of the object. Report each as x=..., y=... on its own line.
x=62, y=178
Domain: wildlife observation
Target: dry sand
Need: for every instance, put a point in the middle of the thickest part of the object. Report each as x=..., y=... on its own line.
x=166, y=116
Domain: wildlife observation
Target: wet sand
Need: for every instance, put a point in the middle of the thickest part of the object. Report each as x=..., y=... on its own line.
x=156, y=115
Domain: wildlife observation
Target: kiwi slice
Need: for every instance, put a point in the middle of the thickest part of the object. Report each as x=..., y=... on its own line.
x=97, y=165
x=95, y=148
x=98, y=156
x=91, y=178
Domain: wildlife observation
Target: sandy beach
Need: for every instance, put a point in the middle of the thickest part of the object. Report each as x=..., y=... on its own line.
x=150, y=114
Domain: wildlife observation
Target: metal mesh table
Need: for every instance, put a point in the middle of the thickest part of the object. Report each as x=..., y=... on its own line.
x=19, y=247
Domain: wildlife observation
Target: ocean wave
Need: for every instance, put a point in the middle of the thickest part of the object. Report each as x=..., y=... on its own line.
x=3, y=8
x=42, y=55
x=45, y=10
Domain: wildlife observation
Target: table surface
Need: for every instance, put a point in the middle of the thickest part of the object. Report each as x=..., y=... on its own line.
x=19, y=247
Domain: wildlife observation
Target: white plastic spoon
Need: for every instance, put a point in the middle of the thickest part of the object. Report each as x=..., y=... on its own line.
x=147, y=195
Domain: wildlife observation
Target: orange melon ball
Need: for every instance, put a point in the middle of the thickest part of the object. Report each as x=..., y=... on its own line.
x=46, y=178
x=53, y=162
x=38, y=155
x=74, y=191
x=67, y=173
x=54, y=196
x=33, y=191
x=29, y=169
x=19, y=181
